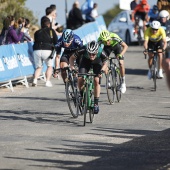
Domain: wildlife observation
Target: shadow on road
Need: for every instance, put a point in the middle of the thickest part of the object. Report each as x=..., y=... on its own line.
x=149, y=152
x=136, y=71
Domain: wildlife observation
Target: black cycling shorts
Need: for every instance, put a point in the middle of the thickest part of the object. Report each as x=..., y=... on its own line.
x=116, y=50
x=86, y=64
x=141, y=15
x=65, y=58
x=155, y=45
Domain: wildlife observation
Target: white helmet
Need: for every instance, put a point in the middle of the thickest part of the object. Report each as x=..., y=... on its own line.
x=164, y=14
x=155, y=24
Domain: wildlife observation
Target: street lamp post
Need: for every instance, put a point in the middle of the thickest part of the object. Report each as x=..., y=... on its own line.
x=66, y=13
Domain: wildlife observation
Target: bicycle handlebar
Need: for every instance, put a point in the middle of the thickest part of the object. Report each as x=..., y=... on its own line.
x=86, y=74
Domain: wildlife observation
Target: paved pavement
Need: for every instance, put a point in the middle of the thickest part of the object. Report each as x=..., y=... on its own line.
x=37, y=131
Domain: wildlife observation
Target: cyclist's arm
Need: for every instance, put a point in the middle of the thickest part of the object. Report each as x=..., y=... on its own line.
x=125, y=47
x=104, y=59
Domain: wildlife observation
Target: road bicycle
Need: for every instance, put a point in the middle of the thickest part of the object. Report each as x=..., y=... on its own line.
x=72, y=93
x=88, y=95
x=139, y=28
x=113, y=80
x=154, y=68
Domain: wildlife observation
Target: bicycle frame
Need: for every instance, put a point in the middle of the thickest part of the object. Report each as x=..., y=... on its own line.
x=88, y=87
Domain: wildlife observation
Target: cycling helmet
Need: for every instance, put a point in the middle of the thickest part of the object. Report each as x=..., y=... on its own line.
x=67, y=36
x=155, y=24
x=144, y=2
x=155, y=8
x=105, y=35
x=92, y=47
x=164, y=14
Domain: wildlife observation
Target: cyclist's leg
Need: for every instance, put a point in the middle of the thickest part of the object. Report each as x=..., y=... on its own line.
x=160, y=57
x=150, y=58
x=84, y=67
x=96, y=70
x=64, y=61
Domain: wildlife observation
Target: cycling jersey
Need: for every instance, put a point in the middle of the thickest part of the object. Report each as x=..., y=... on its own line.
x=160, y=34
x=101, y=55
x=86, y=63
x=141, y=8
x=76, y=44
x=115, y=39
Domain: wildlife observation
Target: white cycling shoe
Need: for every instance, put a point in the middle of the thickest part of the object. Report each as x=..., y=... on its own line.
x=48, y=84
x=123, y=88
x=160, y=74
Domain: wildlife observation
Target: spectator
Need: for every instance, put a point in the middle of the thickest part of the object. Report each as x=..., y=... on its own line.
x=51, y=13
x=86, y=9
x=133, y=4
x=12, y=36
x=75, y=18
x=27, y=36
x=4, y=32
x=94, y=12
x=43, y=47
x=163, y=5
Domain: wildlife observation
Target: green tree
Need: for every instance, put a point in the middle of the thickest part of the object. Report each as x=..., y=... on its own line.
x=16, y=8
x=110, y=14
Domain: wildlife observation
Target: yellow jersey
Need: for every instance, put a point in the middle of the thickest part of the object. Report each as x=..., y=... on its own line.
x=160, y=34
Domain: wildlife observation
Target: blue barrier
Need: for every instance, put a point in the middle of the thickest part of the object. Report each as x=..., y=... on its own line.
x=16, y=60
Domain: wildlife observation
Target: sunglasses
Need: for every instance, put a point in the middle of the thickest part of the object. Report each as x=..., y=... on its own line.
x=154, y=29
x=92, y=54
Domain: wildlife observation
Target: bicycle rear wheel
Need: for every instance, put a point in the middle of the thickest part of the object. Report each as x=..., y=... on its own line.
x=118, y=84
x=71, y=97
x=110, y=86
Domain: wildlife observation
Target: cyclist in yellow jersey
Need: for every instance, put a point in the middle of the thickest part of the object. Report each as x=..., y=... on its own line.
x=155, y=39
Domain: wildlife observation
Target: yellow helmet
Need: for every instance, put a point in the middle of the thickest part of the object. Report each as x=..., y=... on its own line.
x=105, y=35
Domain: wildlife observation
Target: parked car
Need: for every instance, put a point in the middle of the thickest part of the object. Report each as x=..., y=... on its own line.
x=124, y=27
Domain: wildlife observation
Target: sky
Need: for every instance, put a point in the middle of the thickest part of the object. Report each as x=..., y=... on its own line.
x=38, y=7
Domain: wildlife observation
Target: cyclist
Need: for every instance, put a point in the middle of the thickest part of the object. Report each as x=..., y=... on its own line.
x=94, y=57
x=164, y=18
x=141, y=11
x=70, y=42
x=155, y=38
x=153, y=14
x=113, y=43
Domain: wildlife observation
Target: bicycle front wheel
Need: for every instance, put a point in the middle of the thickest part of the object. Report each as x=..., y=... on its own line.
x=154, y=75
x=118, y=84
x=85, y=107
x=91, y=110
x=110, y=86
x=71, y=97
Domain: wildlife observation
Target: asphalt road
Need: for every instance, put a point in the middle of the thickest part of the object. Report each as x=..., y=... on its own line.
x=37, y=131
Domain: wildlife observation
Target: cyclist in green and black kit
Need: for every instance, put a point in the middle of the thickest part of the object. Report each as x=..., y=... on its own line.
x=94, y=57
x=113, y=43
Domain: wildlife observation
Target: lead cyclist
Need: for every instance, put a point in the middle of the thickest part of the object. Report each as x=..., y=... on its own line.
x=113, y=43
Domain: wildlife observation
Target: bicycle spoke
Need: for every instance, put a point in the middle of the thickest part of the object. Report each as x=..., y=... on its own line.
x=118, y=84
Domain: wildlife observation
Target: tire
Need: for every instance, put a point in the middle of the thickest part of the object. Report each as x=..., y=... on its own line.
x=71, y=98
x=118, y=84
x=91, y=111
x=154, y=75
x=85, y=104
x=111, y=86
x=128, y=39
x=140, y=42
